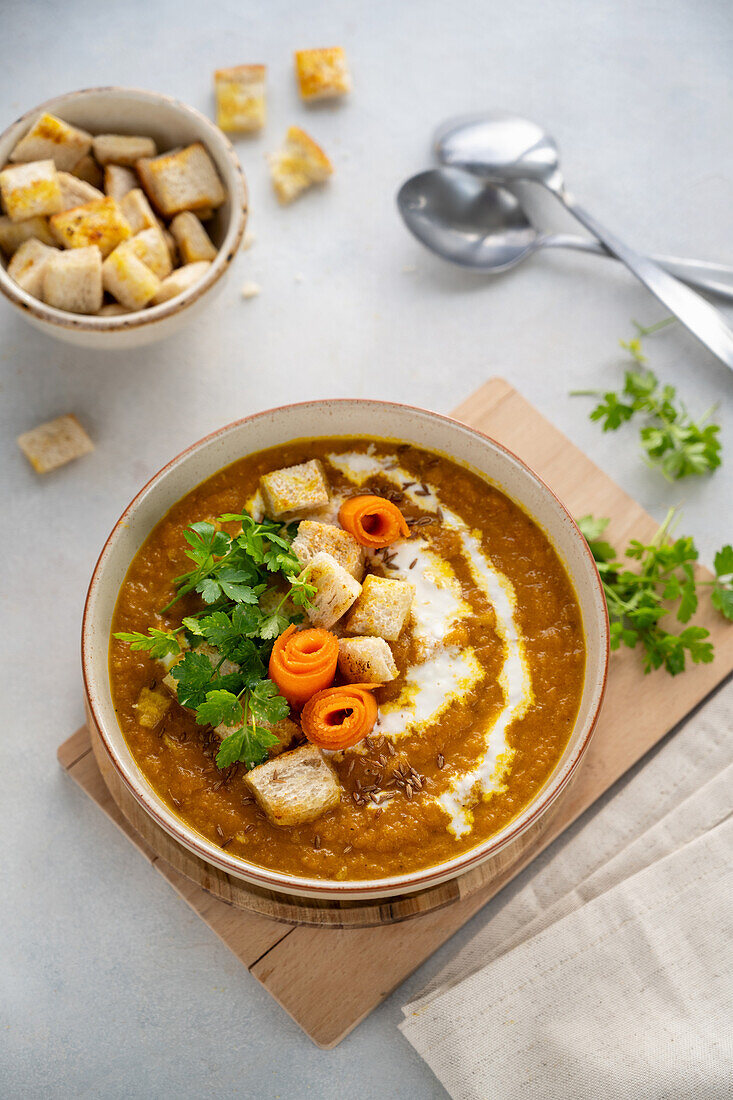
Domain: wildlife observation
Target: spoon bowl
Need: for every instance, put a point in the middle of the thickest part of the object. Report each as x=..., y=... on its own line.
x=497, y=145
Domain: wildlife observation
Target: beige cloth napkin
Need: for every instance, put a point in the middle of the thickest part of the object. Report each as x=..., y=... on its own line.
x=548, y=999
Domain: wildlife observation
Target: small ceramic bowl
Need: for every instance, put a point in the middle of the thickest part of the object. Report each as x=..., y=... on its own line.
x=170, y=123
x=309, y=421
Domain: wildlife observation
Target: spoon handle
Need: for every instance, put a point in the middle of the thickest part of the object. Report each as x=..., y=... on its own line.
x=701, y=274
x=702, y=319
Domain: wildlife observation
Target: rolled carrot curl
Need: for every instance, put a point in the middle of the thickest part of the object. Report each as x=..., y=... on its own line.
x=373, y=521
x=340, y=716
x=303, y=662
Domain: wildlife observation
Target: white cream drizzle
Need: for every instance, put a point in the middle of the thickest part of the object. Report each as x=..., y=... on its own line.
x=429, y=689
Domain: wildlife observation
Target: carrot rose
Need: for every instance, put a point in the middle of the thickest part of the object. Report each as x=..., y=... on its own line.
x=373, y=521
x=302, y=662
x=340, y=716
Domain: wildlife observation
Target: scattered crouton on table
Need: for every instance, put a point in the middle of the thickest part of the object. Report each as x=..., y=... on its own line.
x=298, y=164
x=295, y=788
x=382, y=609
x=73, y=280
x=322, y=74
x=294, y=489
x=366, y=660
x=30, y=190
x=240, y=98
x=52, y=139
x=55, y=443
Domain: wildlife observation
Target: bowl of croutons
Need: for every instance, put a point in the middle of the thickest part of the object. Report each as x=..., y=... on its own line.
x=122, y=210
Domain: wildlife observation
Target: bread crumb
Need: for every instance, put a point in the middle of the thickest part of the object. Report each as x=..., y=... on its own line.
x=251, y=290
x=249, y=240
x=55, y=443
x=299, y=277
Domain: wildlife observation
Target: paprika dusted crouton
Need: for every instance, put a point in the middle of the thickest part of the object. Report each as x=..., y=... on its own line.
x=28, y=265
x=122, y=149
x=285, y=730
x=88, y=170
x=150, y=247
x=100, y=222
x=240, y=98
x=55, y=443
x=128, y=279
x=12, y=234
x=322, y=74
x=336, y=590
x=294, y=489
x=51, y=138
x=179, y=280
x=295, y=788
x=119, y=181
x=73, y=280
x=366, y=660
x=30, y=190
x=75, y=192
x=193, y=241
x=151, y=707
x=313, y=537
x=185, y=180
x=297, y=165
x=137, y=210
x=382, y=609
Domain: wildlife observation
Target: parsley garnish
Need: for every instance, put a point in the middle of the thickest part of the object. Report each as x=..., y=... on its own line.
x=664, y=584
x=159, y=643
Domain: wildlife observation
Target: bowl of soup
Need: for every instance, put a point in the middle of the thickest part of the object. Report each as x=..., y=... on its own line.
x=345, y=649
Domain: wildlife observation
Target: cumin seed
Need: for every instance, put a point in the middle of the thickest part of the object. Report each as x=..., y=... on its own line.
x=408, y=792
x=412, y=564
x=392, y=749
x=440, y=760
x=220, y=831
x=227, y=842
x=316, y=842
x=348, y=848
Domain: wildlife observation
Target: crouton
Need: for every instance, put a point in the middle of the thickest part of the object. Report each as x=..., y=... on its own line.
x=336, y=590
x=342, y=546
x=28, y=265
x=382, y=608
x=170, y=242
x=193, y=241
x=322, y=74
x=74, y=191
x=30, y=190
x=100, y=222
x=295, y=788
x=240, y=98
x=185, y=180
x=73, y=280
x=12, y=234
x=122, y=149
x=137, y=211
x=112, y=309
x=294, y=489
x=297, y=165
x=150, y=247
x=180, y=280
x=51, y=138
x=119, y=181
x=128, y=279
x=285, y=730
x=366, y=660
x=151, y=707
x=55, y=443
x=88, y=170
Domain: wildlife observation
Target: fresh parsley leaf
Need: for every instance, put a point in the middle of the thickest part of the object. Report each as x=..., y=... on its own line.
x=193, y=675
x=721, y=596
x=158, y=643
x=219, y=706
x=248, y=745
x=266, y=703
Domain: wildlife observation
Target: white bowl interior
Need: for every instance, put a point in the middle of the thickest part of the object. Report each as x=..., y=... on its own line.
x=337, y=418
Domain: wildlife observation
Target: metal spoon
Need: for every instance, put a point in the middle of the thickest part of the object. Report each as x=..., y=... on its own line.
x=484, y=227
x=504, y=147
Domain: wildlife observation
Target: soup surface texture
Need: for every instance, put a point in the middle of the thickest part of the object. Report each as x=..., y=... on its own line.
x=491, y=665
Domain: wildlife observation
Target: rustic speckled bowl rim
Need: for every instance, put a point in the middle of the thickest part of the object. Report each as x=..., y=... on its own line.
x=225, y=254
x=330, y=888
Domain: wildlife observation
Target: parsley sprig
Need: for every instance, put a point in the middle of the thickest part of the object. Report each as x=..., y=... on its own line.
x=664, y=584
x=672, y=441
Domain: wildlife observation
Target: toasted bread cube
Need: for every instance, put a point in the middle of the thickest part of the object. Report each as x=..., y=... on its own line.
x=180, y=280
x=137, y=210
x=322, y=74
x=171, y=245
x=122, y=149
x=313, y=537
x=28, y=265
x=12, y=234
x=113, y=309
x=31, y=190
x=240, y=98
x=382, y=609
x=185, y=180
x=55, y=443
x=366, y=660
x=51, y=138
x=119, y=181
x=152, y=707
x=193, y=241
x=75, y=192
x=128, y=279
x=294, y=489
x=285, y=730
x=336, y=590
x=100, y=222
x=88, y=170
x=73, y=280
x=150, y=247
x=297, y=165
x=295, y=788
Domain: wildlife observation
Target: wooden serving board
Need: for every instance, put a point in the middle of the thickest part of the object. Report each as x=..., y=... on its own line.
x=295, y=962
